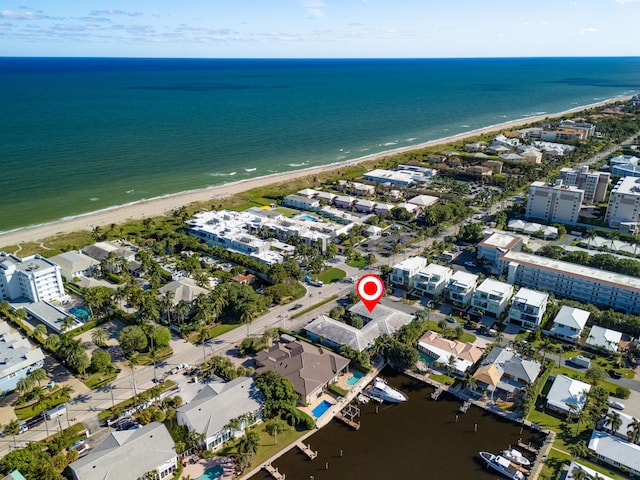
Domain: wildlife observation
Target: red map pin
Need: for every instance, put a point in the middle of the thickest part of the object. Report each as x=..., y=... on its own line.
x=370, y=289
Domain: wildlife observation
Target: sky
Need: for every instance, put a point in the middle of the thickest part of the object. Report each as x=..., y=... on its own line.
x=319, y=28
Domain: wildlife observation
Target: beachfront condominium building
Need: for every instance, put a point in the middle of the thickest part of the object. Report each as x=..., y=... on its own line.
x=460, y=288
x=492, y=297
x=624, y=203
x=554, y=202
x=403, y=273
x=527, y=308
x=594, y=184
x=34, y=278
x=573, y=281
x=432, y=279
x=18, y=358
x=494, y=245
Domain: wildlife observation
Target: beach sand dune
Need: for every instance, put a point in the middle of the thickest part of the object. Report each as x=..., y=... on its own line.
x=165, y=205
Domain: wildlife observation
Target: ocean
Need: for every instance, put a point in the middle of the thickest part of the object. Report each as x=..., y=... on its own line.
x=84, y=134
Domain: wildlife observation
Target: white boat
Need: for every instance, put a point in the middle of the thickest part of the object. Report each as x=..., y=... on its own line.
x=516, y=457
x=502, y=465
x=380, y=390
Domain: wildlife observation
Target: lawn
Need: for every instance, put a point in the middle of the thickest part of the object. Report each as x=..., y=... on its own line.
x=287, y=212
x=99, y=379
x=442, y=378
x=330, y=275
x=162, y=353
x=357, y=261
x=579, y=375
x=54, y=399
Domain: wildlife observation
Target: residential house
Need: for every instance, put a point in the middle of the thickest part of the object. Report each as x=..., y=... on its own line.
x=373, y=232
x=221, y=411
x=494, y=165
x=616, y=452
x=308, y=192
x=460, y=288
x=432, y=279
x=248, y=279
x=569, y=323
x=326, y=197
x=527, y=308
x=185, y=289
x=309, y=368
x=441, y=350
x=511, y=157
x=334, y=334
x=111, y=255
x=362, y=189
x=18, y=358
x=507, y=371
x=480, y=170
x=567, y=395
x=403, y=273
x=383, y=208
x=591, y=473
x=604, y=339
x=531, y=155
x=75, y=264
x=300, y=202
x=423, y=201
x=363, y=205
x=625, y=423
x=148, y=452
x=344, y=201
x=475, y=147
x=492, y=297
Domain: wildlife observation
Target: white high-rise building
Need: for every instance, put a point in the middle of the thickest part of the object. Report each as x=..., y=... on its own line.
x=554, y=202
x=594, y=184
x=624, y=202
x=34, y=278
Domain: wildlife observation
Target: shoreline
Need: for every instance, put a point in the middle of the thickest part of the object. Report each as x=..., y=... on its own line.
x=164, y=204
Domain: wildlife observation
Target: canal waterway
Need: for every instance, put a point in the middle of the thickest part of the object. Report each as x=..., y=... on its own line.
x=418, y=439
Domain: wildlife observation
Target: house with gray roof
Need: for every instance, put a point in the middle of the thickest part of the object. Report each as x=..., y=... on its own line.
x=75, y=264
x=513, y=370
x=215, y=407
x=130, y=454
x=334, y=333
x=308, y=367
x=18, y=358
x=616, y=452
x=185, y=288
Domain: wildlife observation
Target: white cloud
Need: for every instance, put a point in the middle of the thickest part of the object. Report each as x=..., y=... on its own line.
x=11, y=15
x=587, y=30
x=623, y=2
x=110, y=12
x=314, y=8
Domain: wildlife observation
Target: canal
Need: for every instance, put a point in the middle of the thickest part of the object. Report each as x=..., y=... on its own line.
x=418, y=439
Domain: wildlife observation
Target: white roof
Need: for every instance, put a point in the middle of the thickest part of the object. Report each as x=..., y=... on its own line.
x=567, y=391
x=591, y=472
x=531, y=297
x=423, y=200
x=434, y=268
x=627, y=186
x=615, y=449
x=463, y=278
x=490, y=285
x=500, y=240
x=572, y=317
x=604, y=338
x=411, y=263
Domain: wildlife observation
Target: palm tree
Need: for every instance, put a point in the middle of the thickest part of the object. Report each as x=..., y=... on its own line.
x=13, y=428
x=471, y=382
x=499, y=337
x=546, y=346
x=37, y=375
x=131, y=363
x=67, y=323
x=40, y=331
x=203, y=336
x=99, y=336
x=614, y=421
x=451, y=364
x=249, y=443
x=579, y=474
x=633, y=433
x=182, y=311
x=166, y=304
x=24, y=385
x=590, y=235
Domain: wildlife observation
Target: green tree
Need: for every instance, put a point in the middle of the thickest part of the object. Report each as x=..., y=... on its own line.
x=280, y=396
x=100, y=361
x=132, y=339
x=99, y=336
x=613, y=421
x=37, y=376
x=274, y=427
x=633, y=433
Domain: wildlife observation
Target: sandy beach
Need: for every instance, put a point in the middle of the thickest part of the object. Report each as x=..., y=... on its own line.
x=164, y=205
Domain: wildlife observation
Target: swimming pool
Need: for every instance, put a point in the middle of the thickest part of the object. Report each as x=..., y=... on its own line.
x=355, y=376
x=211, y=473
x=425, y=358
x=81, y=313
x=308, y=218
x=322, y=407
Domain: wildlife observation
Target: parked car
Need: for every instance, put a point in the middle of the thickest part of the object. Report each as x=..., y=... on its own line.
x=614, y=374
x=470, y=264
x=296, y=306
x=616, y=405
x=451, y=320
x=79, y=446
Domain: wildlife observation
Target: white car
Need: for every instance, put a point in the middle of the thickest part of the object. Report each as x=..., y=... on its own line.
x=470, y=264
x=616, y=405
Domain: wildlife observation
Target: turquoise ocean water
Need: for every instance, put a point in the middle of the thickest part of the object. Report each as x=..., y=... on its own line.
x=78, y=135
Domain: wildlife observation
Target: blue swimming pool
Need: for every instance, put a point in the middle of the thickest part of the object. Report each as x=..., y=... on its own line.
x=322, y=407
x=355, y=376
x=81, y=313
x=425, y=358
x=211, y=473
x=308, y=218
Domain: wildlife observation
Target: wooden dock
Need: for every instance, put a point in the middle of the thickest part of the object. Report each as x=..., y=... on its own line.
x=348, y=421
x=528, y=447
x=464, y=407
x=437, y=393
x=306, y=449
x=273, y=471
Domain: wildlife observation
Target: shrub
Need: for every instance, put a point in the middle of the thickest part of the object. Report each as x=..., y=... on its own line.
x=622, y=392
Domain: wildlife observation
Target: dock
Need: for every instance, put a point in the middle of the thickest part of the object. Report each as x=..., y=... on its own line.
x=464, y=407
x=528, y=447
x=347, y=416
x=306, y=449
x=273, y=471
x=437, y=393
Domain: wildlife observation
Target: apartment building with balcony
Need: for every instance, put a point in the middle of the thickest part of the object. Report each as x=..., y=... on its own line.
x=527, y=308
x=492, y=297
x=404, y=273
x=624, y=203
x=460, y=288
x=554, y=202
x=432, y=280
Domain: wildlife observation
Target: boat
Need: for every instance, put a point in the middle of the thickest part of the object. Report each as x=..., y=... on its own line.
x=502, y=465
x=516, y=457
x=380, y=390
